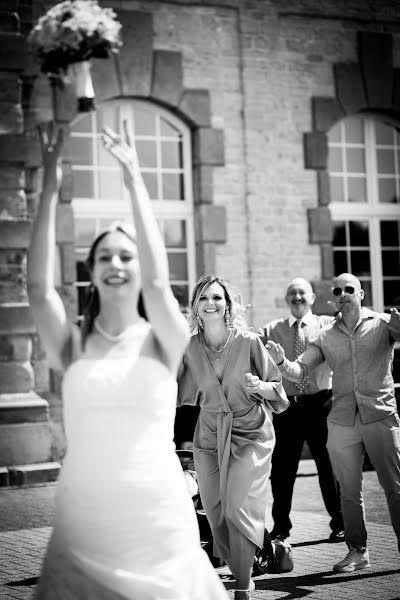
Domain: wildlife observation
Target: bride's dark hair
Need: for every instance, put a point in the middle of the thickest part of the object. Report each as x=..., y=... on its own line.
x=92, y=304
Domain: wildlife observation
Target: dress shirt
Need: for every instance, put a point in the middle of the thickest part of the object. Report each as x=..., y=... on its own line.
x=361, y=361
x=282, y=331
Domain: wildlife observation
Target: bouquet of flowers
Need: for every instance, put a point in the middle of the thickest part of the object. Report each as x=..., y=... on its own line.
x=68, y=36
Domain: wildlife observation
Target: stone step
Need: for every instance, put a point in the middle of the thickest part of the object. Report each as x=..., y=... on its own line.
x=23, y=408
x=30, y=474
x=27, y=443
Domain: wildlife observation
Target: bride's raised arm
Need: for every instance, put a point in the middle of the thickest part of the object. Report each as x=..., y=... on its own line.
x=48, y=310
x=169, y=325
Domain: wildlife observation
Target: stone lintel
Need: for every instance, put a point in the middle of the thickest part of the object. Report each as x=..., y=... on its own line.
x=320, y=225
x=167, y=83
x=315, y=150
x=326, y=112
x=195, y=106
x=349, y=87
x=208, y=146
x=136, y=54
x=211, y=223
x=376, y=58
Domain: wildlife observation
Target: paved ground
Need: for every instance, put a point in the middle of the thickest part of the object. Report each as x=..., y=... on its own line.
x=22, y=547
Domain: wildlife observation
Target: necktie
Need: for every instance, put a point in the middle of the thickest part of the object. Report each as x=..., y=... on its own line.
x=299, y=347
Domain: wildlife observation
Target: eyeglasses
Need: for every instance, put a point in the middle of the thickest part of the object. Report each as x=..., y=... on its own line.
x=349, y=289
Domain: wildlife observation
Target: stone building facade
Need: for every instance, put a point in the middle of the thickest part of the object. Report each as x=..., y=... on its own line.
x=267, y=95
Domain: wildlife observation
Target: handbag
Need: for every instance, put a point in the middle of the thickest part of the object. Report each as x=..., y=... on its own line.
x=283, y=557
x=275, y=556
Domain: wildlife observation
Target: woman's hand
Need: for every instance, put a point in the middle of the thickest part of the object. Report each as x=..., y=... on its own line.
x=276, y=351
x=253, y=383
x=51, y=138
x=124, y=152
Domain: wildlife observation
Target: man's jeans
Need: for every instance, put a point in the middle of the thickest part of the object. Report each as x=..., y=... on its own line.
x=381, y=440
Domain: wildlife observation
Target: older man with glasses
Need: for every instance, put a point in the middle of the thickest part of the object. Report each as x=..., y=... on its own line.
x=358, y=347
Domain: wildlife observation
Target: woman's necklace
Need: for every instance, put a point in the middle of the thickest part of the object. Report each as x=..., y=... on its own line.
x=108, y=336
x=220, y=350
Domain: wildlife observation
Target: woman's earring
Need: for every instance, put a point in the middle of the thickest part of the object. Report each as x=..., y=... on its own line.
x=199, y=321
x=227, y=318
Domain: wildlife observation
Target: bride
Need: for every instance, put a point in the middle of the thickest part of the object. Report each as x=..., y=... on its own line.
x=125, y=526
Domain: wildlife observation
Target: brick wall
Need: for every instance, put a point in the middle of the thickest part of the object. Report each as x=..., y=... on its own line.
x=245, y=74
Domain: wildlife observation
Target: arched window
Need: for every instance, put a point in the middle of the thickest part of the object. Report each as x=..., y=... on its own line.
x=364, y=169
x=163, y=143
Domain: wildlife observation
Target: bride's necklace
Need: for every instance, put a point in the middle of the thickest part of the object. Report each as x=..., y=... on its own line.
x=220, y=349
x=108, y=336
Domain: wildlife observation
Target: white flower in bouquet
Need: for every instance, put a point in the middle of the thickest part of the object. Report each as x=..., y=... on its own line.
x=71, y=33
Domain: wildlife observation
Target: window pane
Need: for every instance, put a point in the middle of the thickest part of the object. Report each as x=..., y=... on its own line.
x=390, y=262
x=175, y=233
x=334, y=133
x=150, y=181
x=106, y=223
x=82, y=271
x=339, y=233
x=82, y=298
x=147, y=153
x=390, y=233
x=85, y=231
x=168, y=130
x=177, y=262
x=335, y=162
x=354, y=128
x=172, y=186
x=110, y=185
x=385, y=161
x=387, y=191
x=83, y=124
x=360, y=262
x=107, y=116
x=355, y=160
x=359, y=234
x=366, y=286
x=145, y=122
x=336, y=186
x=171, y=155
x=104, y=157
x=391, y=293
x=83, y=184
x=181, y=293
x=356, y=189
x=81, y=151
x=383, y=133
x=340, y=262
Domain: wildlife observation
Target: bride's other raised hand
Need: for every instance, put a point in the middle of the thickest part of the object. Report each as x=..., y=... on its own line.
x=124, y=151
x=51, y=138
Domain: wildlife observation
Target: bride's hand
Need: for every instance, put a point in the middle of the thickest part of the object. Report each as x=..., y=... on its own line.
x=124, y=152
x=51, y=138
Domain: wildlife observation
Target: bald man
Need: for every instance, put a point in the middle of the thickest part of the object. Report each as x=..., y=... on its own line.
x=305, y=419
x=358, y=347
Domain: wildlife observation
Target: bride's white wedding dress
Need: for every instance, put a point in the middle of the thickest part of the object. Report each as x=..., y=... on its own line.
x=125, y=525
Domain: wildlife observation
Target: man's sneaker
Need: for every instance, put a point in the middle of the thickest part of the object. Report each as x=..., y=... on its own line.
x=356, y=559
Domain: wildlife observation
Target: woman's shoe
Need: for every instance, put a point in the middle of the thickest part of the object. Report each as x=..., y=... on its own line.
x=245, y=594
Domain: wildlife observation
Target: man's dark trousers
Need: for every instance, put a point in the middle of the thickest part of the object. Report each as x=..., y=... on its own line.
x=304, y=420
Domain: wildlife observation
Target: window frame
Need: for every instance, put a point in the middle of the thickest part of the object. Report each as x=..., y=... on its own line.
x=99, y=208
x=372, y=210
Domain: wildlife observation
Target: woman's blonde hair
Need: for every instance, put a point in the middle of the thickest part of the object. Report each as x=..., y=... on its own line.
x=236, y=310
